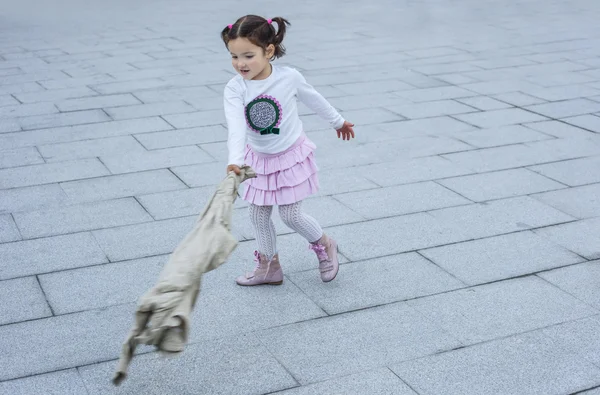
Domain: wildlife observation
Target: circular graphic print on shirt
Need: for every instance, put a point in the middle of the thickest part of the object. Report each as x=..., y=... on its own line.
x=263, y=115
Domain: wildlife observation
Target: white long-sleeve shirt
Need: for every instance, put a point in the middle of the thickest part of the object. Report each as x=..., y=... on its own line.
x=264, y=113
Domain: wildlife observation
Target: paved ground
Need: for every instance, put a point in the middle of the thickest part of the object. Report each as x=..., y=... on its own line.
x=467, y=210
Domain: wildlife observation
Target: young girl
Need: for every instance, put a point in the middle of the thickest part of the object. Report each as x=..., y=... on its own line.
x=265, y=132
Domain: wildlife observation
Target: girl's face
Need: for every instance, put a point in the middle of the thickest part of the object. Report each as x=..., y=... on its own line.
x=251, y=61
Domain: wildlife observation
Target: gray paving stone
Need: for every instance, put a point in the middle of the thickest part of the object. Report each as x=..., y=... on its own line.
x=336, y=181
x=594, y=391
x=31, y=198
x=501, y=309
x=484, y=103
x=567, y=108
x=578, y=337
x=50, y=173
x=158, y=159
x=363, y=340
x=119, y=186
x=572, y=172
x=440, y=126
x=130, y=86
x=145, y=74
x=7, y=100
x=490, y=119
x=358, y=101
x=204, y=174
x=62, y=119
x=22, y=299
x=434, y=94
x=518, y=99
x=443, y=68
x=67, y=83
x=528, y=364
x=406, y=233
x=174, y=94
x=226, y=309
x=29, y=257
x=499, y=185
x=25, y=87
x=81, y=217
x=25, y=110
x=20, y=157
x=101, y=286
x=501, y=257
x=201, y=118
x=147, y=110
x=8, y=229
x=50, y=346
x=498, y=87
x=179, y=203
x=564, y=92
x=182, y=137
x=374, y=382
x=398, y=200
x=580, y=202
x=240, y=375
x=54, y=94
x=83, y=132
x=581, y=281
x=97, y=102
x=66, y=382
x=411, y=170
x=9, y=125
x=431, y=109
x=148, y=239
x=581, y=237
x=514, y=156
x=498, y=217
x=120, y=145
x=417, y=147
x=559, y=129
x=374, y=87
x=588, y=122
x=370, y=116
x=360, y=284
x=498, y=136
x=455, y=78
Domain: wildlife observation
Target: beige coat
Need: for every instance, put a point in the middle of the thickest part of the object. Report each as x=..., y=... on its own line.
x=162, y=318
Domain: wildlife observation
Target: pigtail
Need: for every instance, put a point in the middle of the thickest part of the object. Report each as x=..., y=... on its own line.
x=225, y=34
x=282, y=23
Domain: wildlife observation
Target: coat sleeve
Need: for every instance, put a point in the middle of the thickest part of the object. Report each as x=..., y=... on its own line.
x=308, y=95
x=233, y=103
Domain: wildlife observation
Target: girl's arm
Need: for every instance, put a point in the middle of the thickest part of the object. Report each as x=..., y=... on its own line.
x=236, y=124
x=316, y=102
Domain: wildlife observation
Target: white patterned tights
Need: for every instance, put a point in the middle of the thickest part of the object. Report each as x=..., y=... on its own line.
x=292, y=216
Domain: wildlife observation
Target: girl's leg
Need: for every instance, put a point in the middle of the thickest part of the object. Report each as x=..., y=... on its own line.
x=268, y=270
x=305, y=225
x=264, y=229
x=309, y=228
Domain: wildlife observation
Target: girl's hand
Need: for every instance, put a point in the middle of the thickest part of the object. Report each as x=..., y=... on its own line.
x=233, y=168
x=346, y=131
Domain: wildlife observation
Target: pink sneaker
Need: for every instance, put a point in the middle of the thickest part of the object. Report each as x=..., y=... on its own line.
x=327, y=252
x=266, y=272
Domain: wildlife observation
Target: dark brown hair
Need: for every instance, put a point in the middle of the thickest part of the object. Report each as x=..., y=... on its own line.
x=259, y=31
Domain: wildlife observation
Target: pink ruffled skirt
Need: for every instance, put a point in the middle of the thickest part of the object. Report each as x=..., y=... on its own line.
x=284, y=178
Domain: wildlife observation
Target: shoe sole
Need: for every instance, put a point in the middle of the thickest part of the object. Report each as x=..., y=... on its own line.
x=252, y=285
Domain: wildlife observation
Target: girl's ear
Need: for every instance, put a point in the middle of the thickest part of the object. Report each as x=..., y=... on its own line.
x=270, y=51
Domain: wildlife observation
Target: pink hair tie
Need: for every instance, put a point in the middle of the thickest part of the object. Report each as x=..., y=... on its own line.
x=230, y=26
x=269, y=21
